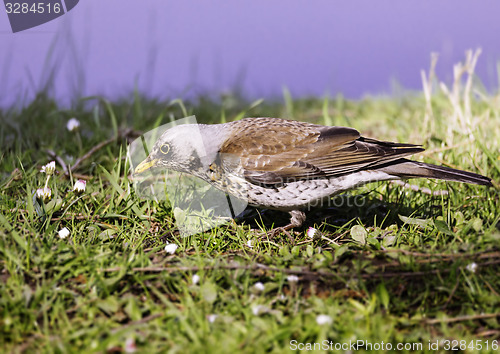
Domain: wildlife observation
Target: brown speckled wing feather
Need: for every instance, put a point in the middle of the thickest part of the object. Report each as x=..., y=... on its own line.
x=273, y=151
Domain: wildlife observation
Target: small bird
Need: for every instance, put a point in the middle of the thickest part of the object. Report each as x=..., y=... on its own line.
x=288, y=165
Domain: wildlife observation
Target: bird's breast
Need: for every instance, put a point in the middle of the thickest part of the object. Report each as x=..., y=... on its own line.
x=293, y=195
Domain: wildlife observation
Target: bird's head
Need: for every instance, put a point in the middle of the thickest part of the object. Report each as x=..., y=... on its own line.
x=179, y=148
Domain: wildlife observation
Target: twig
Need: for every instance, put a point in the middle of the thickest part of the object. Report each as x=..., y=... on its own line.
x=316, y=275
x=256, y=266
x=488, y=333
x=490, y=287
x=421, y=273
x=462, y=318
x=121, y=134
x=89, y=217
x=76, y=216
x=452, y=291
x=480, y=255
x=340, y=236
x=81, y=176
x=91, y=152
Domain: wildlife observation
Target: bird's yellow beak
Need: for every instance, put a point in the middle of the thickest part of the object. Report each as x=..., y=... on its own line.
x=145, y=165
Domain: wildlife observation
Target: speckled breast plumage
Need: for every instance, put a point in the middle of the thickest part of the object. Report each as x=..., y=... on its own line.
x=292, y=195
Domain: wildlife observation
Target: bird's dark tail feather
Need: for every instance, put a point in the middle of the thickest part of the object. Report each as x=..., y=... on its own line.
x=414, y=169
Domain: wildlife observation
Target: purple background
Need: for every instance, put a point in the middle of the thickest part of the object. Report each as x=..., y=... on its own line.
x=180, y=48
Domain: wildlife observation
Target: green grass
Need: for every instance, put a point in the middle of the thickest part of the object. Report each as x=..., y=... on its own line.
x=397, y=269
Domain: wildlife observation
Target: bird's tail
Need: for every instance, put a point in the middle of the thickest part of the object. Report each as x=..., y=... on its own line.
x=413, y=169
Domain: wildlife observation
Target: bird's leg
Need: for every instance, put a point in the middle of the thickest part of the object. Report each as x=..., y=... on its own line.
x=297, y=218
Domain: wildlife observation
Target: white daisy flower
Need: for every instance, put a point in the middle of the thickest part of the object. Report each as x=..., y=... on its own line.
x=80, y=186
x=259, y=287
x=63, y=233
x=211, y=318
x=324, y=320
x=49, y=168
x=44, y=193
x=313, y=233
x=259, y=309
x=170, y=248
x=471, y=267
x=73, y=124
x=130, y=346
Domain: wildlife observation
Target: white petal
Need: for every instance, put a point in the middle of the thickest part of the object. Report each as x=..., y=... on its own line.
x=130, y=346
x=63, y=233
x=44, y=193
x=171, y=248
x=259, y=287
x=80, y=186
x=292, y=278
x=259, y=309
x=313, y=233
x=49, y=168
x=471, y=267
x=195, y=279
x=73, y=124
x=323, y=320
x=39, y=193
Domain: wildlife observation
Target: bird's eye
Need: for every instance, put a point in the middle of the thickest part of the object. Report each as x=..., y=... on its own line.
x=165, y=149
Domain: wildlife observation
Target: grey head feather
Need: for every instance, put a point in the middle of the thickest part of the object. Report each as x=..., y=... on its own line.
x=191, y=147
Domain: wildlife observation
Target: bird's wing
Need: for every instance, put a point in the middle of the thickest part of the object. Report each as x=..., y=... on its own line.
x=274, y=151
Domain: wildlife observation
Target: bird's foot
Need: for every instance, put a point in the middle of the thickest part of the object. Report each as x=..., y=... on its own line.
x=296, y=220
x=276, y=231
